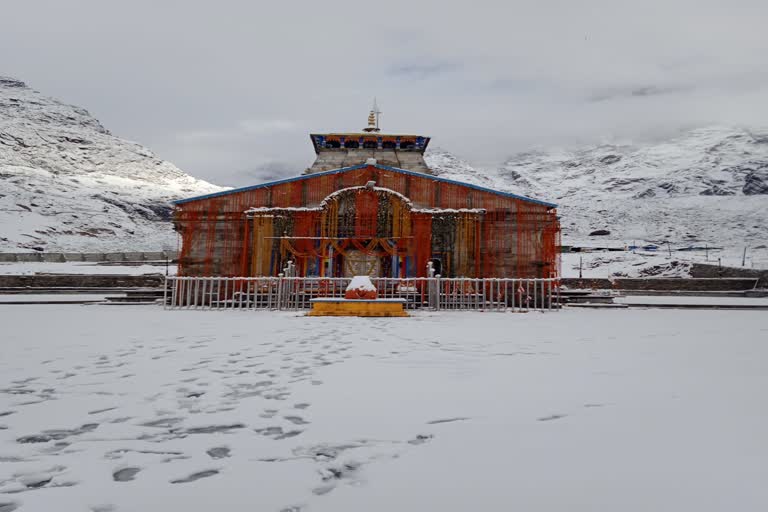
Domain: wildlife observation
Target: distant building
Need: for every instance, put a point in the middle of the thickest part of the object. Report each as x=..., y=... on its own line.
x=369, y=205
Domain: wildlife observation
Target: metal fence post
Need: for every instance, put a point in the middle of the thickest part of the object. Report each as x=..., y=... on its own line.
x=294, y=293
x=279, y=291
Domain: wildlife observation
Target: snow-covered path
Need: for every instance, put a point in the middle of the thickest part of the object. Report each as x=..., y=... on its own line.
x=136, y=408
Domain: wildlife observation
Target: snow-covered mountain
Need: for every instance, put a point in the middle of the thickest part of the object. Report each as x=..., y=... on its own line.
x=707, y=186
x=68, y=184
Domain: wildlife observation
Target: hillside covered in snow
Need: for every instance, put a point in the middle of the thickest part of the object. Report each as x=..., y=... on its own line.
x=707, y=186
x=68, y=184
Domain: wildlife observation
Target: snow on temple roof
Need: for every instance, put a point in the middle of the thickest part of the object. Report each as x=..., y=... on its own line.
x=363, y=166
x=324, y=203
x=364, y=187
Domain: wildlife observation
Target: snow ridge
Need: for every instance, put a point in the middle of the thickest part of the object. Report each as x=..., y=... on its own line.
x=68, y=184
x=706, y=186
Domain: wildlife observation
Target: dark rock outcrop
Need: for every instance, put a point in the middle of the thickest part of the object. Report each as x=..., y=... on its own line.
x=756, y=182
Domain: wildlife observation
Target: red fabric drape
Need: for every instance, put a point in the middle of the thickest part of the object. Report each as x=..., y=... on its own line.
x=422, y=241
x=366, y=208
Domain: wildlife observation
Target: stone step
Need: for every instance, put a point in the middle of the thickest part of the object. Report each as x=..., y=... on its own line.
x=32, y=302
x=146, y=303
x=60, y=290
x=596, y=305
x=591, y=299
x=751, y=307
x=134, y=298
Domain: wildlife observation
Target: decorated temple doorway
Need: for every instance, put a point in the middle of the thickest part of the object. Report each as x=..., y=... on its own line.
x=356, y=231
x=359, y=263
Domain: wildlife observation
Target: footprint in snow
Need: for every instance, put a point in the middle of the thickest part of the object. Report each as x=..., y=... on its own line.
x=289, y=434
x=163, y=422
x=99, y=411
x=219, y=452
x=57, y=434
x=420, y=439
x=125, y=474
x=196, y=476
x=269, y=431
x=209, y=429
x=103, y=508
x=552, y=417
x=446, y=420
x=296, y=420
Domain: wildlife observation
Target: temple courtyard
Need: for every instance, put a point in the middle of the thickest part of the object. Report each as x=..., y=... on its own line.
x=107, y=408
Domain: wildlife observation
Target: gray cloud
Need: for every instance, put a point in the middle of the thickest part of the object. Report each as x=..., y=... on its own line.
x=223, y=87
x=423, y=70
x=639, y=92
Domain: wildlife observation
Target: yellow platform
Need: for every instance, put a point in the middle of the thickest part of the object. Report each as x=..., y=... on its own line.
x=358, y=307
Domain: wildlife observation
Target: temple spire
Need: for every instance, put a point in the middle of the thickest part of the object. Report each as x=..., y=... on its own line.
x=373, y=119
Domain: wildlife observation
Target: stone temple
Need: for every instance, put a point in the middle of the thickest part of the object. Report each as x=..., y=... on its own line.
x=368, y=205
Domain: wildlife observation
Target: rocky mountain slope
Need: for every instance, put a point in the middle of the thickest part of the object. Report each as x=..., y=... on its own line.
x=707, y=186
x=68, y=184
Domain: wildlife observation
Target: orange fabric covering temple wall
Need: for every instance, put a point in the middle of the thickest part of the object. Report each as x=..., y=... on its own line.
x=327, y=223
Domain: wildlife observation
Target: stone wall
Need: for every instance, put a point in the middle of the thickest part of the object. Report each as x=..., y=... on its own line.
x=82, y=281
x=62, y=257
x=664, y=284
x=331, y=159
x=586, y=284
x=692, y=284
x=704, y=270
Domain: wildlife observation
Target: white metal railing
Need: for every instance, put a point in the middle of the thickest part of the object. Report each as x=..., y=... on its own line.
x=296, y=293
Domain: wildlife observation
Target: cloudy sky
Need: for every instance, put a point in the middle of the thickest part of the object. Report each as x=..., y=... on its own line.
x=227, y=89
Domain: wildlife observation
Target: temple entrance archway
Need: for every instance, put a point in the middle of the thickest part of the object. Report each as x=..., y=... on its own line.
x=361, y=230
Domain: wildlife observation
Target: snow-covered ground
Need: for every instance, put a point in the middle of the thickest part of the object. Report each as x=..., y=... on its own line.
x=136, y=408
